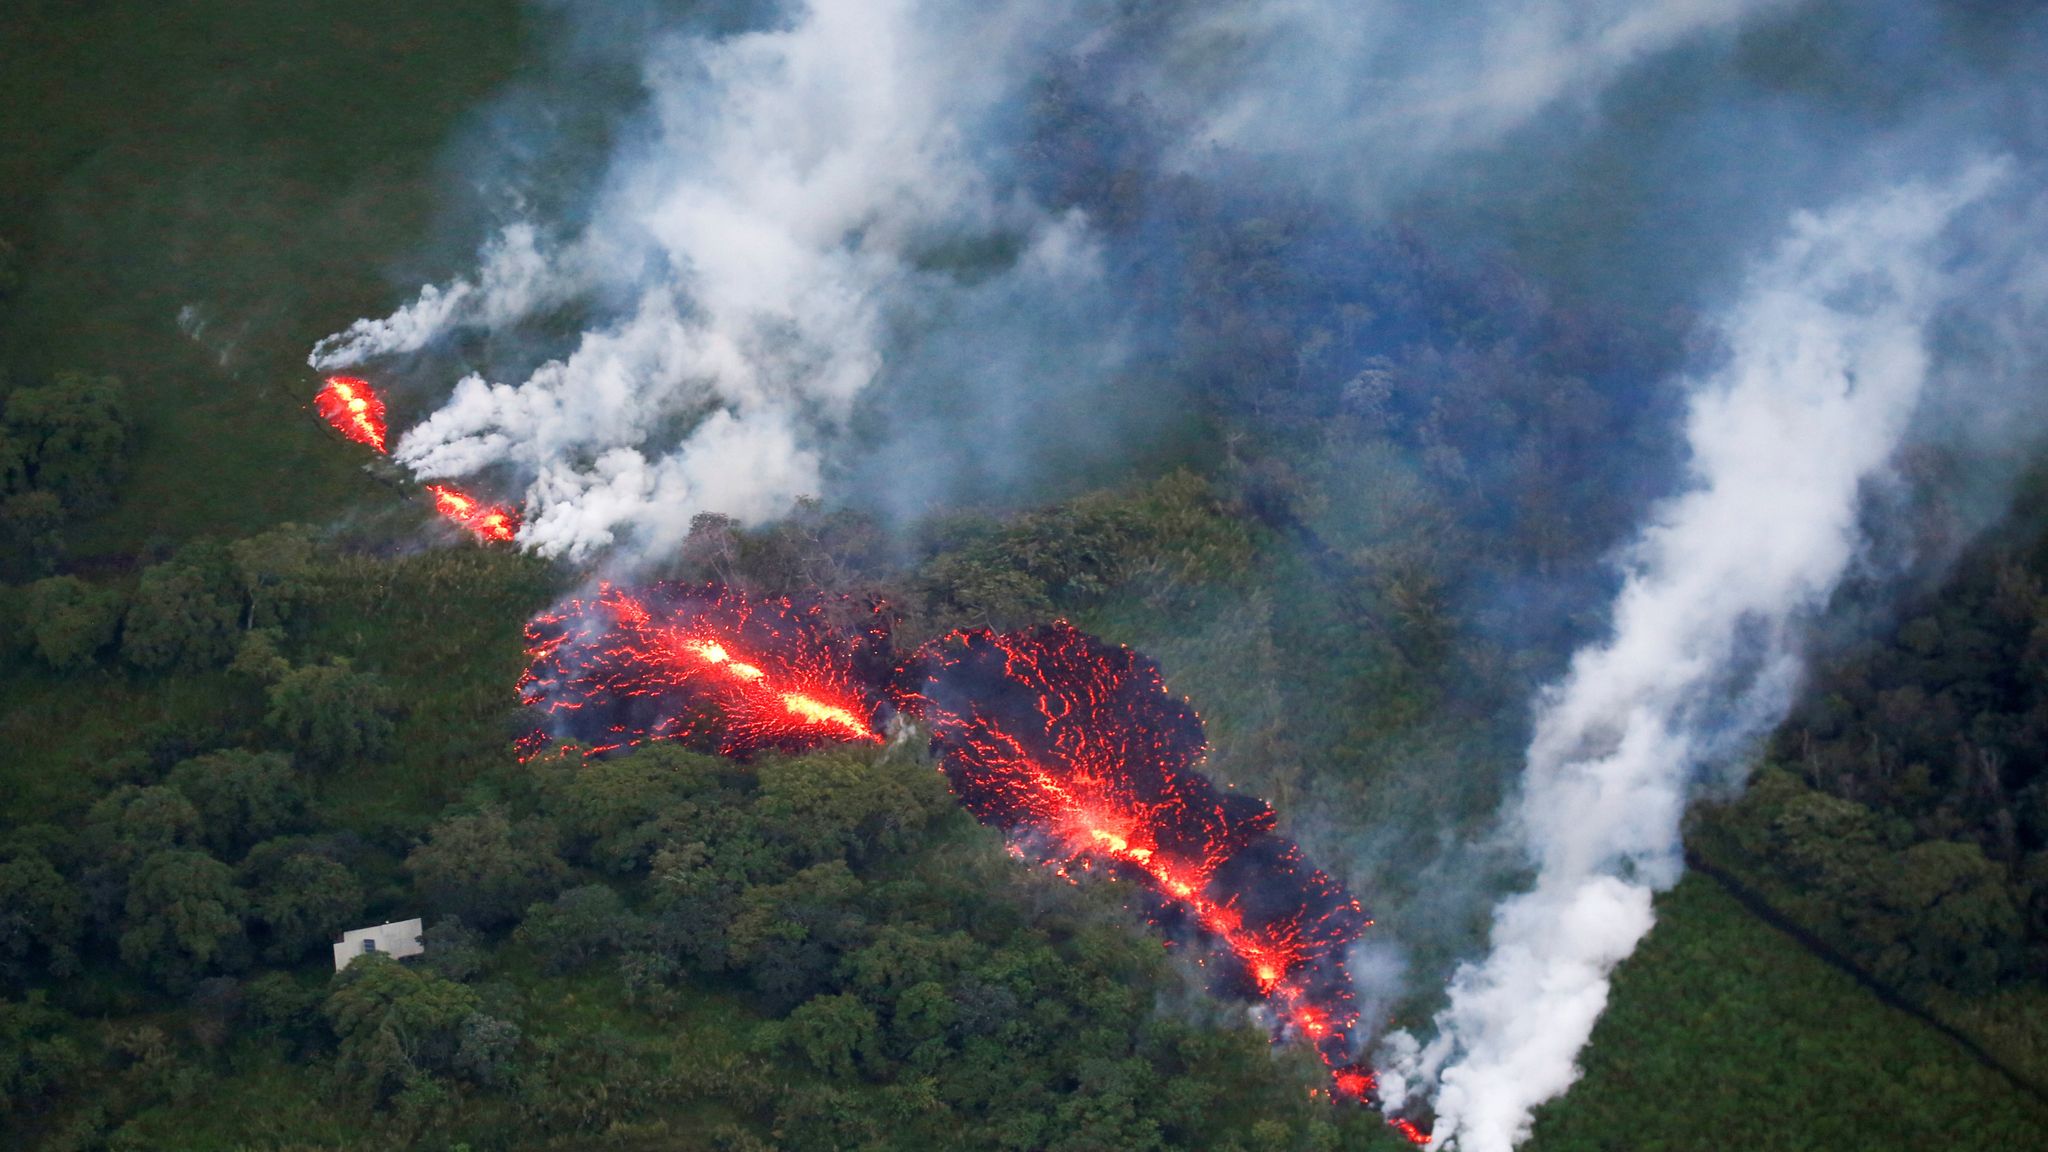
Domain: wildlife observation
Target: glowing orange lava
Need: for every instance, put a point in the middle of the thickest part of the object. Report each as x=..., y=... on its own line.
x=494, y=523
x=696, y=664
x=354, y=409
x=357, y=412
x=1076, y=749
x=806, y=708
x=1072, y=747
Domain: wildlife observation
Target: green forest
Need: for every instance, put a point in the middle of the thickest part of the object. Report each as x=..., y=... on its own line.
x=252, y=695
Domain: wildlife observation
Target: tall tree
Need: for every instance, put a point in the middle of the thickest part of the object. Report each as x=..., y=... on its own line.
x=30, y=543
x=331, y=713
x=482, y=868
x=184, y=915
x=395, y=1023
x=74, y=435
x=834, y=1033
x=273, y=569
x=577, y=927
x=40, y=917
x=184, y=613
x=131, y=822
x=241, y=796
x=71, y=620
x=36, y=1059
x=300, y=898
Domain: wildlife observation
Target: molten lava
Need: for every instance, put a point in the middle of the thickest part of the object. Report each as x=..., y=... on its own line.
x=1072, y=747
x=704, y=665
x=354, y=409
x=494, y=523
x=1078, y=752
x=357, y=412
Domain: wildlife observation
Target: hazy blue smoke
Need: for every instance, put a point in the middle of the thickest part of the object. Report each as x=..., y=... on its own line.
x=840, y=188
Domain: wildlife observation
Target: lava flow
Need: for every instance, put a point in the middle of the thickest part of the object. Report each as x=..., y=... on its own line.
x=704, y=665
x=1072, y=747
x=357, y=412
x=490, y=522
x=354, y=409
x=1078, y=752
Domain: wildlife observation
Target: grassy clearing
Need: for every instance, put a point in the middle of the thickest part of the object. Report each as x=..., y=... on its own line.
x=65, y=740
x=1724, y=1033
x=265, y=166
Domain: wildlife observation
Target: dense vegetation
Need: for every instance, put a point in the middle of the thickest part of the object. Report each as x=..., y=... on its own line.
x=823, y=951
x=243, y=706
x=1902, y=814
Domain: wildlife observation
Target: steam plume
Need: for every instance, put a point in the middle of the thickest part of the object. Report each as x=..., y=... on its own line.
x=800, y=200
x=1828, y=354
x=1383, y=89
x=749, y=256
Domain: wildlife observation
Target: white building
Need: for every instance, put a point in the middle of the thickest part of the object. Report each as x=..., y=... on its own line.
x=397, y=940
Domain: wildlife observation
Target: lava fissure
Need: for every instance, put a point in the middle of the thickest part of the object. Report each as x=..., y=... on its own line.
x=1077, y=749
x=494, y=523
x=355, y=410
x=1072, y=747
x=703, y=665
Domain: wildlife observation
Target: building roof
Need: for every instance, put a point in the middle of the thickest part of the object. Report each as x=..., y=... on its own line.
x=397, y=939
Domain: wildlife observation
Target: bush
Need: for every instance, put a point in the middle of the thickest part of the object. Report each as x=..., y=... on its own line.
x=483, y=869
x=579, y=926
x=331, y=714
x=71, y=621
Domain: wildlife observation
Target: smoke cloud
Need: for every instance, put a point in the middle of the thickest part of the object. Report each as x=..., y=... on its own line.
x=1828, y=353
x=811, y=202
x=1379, y=92
x=792, y=196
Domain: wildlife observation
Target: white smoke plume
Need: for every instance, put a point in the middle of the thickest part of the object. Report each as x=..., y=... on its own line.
x=515, y=280
x=752, y=257
x=1829, y=352
x=763, y=238
x=1382, y=90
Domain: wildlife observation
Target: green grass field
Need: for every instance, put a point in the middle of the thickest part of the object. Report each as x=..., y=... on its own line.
x=1724, y=1033
x=269, y=167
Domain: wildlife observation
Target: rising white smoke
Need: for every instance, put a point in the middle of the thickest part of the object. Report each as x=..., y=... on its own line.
x=1828, y=356
x=751, y=259
x=515, y=280
x=764, y=238
x=1383, y=90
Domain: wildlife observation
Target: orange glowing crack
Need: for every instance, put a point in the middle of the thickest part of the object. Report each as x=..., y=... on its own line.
x=354, y=409
x=487, y=522
x=806, y=708
x=1217, y=919
x=819, y=713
